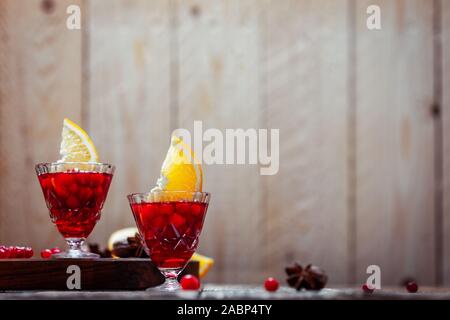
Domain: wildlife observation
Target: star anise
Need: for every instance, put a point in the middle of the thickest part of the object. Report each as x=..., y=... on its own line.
x=309, y=278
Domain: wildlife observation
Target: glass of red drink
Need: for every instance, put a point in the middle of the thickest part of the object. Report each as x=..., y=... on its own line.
x=75, y=193
x=170, y=223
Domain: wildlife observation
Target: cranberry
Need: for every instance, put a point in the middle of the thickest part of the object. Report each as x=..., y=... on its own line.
x=366, y=288
x=72, y=202
x=85, y=194
x=84, y=180
x=183, y=208
x=412, y=287
x=99, y=191
x=159, y=222
x=190, y=282
x=177, y=220
x=271, y=284
x=197, y=209
x=61, y=191
x=73, y=188
x=94, y=183
x=3, y=253
x=55, y=250
x=7, y=253
x=19, y=252
x=13, y=252
x=47, y=253
x=28, y=252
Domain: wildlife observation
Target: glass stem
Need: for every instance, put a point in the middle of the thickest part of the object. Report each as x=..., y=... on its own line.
x=75, y=244
x=171, y=283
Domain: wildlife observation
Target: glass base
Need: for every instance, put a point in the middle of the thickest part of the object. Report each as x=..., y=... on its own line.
x=166, y=287
x=75, y=250
x=75, y=254
x=171, y=284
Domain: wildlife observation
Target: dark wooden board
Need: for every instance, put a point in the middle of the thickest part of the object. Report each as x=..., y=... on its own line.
x=96, y=274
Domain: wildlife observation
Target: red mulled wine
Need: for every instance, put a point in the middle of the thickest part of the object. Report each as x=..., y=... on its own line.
x=170, y=230
x=75, y=200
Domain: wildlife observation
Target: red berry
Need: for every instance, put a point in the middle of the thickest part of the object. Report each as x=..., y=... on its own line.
x=13, y=252
x=28, y=252
x=22, y=252
x=55, y=250
x=73, y=188
x=3, y=253
x=72, y=202
x=8, y=253
x=366, y=288
x=47, y=253
x=190, y=282
x=412, y=287
x=18, y=252
x=271, y=284
x=177, y=220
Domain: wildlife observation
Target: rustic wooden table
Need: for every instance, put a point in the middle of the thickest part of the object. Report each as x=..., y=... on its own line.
x=236, y=292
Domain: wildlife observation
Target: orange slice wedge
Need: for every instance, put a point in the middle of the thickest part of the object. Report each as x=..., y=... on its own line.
x=181, y=170
x=76, y=146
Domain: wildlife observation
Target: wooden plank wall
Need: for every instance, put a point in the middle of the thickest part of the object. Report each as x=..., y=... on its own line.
x=306, y=66
x=445, y=96
x=395, y=141
x=127, y=110
x=210, y=91
x=40, y=83
x=361, y=154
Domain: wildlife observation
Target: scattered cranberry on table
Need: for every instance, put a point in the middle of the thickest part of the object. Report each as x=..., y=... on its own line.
x=29, y=252
x=271, y=284
x=412, y=287
x=14, y=252
x=46, y=253
x=366, y=288
x=190, y=282
x=55, y=250
x=3, y=253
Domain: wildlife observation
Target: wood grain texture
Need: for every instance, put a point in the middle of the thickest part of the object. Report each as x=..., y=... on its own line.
x=219, y=84
x=95, y=274
x=127, y=108
x=306, y=67
x=445, y=37
x=40, y=84
x=237, y=292
x=395, y=142
x=357, y=139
